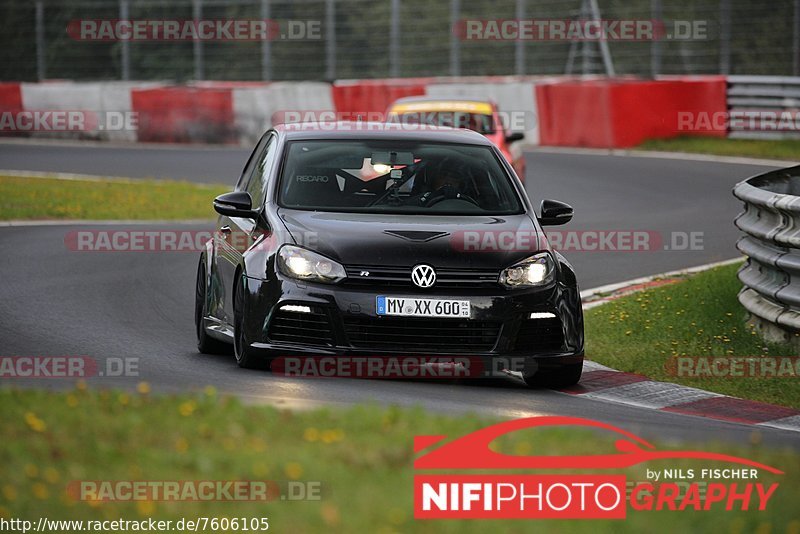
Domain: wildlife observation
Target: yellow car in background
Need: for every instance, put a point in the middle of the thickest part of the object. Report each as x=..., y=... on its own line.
x=481, y=116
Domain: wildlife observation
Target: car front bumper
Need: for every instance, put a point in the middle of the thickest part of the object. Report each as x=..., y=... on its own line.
x=347, y=316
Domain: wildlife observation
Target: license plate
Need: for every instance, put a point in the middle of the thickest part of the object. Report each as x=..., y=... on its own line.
x=417, y=307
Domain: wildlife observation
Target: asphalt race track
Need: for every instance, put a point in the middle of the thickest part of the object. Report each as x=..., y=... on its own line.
x=139, y=305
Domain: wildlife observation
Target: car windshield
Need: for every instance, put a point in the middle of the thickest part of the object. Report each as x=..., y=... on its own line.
x=396, y=177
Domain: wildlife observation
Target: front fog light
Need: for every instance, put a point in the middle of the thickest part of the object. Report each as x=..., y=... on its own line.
x=534, y=271
x=305, y=264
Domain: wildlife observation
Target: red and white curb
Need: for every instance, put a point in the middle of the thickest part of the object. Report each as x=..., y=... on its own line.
x=603, y=383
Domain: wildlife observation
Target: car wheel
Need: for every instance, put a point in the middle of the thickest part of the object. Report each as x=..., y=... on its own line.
x=246, y=356
x=560, y=377
x=205, y=343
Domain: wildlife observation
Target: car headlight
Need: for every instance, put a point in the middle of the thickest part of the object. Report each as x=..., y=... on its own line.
x=537, y=270
x=304, y=264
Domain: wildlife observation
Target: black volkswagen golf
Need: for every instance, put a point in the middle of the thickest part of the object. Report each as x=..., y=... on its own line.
x=364, y=239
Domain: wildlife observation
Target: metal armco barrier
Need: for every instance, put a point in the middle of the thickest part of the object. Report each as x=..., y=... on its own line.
x=771, y=274
x=760, y=102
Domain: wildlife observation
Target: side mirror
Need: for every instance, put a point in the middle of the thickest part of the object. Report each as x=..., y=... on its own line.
x=235, y=204
x=515, y=136
x=554, y=213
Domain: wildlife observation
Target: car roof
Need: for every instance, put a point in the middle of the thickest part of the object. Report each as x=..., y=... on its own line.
x=380, y=131
x=423, y=104
x=441, y=99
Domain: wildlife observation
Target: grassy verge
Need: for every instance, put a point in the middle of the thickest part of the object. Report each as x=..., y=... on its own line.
x=700, y=316
x=44, y=198
x=361, y=456
x=788, y=149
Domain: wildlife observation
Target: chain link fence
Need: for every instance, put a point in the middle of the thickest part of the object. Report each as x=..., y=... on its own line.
x=392, y=38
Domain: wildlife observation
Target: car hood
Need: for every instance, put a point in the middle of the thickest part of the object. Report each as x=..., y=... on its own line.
x=479, y=242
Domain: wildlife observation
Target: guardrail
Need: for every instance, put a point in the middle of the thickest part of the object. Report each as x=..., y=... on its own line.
x=771, y=274
x=764, y=107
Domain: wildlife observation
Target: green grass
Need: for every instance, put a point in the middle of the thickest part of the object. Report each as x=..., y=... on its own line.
x=788, y=149
x=362, y=456
x=700, y=316
x=50, y=198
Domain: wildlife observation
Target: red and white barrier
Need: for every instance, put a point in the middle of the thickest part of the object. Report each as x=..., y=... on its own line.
x=558, y=111
x=10, y=102
x=96, y=98
x=10, y=96
x=184, y=114
x=255, y=109
x=354, y=97
x=624, y=113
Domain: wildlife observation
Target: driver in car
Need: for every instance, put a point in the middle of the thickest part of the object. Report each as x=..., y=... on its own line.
x=448, y=183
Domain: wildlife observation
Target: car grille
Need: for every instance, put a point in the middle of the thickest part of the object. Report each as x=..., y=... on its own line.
x=419, y=334
x=540, y=335
x=401, y=277
x=299, y=327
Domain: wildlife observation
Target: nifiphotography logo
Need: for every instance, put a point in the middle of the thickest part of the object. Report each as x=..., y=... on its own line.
x=575, y=496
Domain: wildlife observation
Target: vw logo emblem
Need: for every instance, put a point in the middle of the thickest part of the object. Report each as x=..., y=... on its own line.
x=423, y=275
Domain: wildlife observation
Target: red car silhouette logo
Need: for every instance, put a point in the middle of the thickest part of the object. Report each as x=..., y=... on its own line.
x=472, y=451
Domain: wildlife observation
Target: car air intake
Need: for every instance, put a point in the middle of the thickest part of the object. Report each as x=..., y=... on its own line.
x=540, y=334
x=300, y=324
x=421, y=334
x=418, y=236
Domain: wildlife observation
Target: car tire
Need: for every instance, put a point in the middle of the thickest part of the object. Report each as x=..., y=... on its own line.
x=560, y=377
x=246, y=356
x=205, y=343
